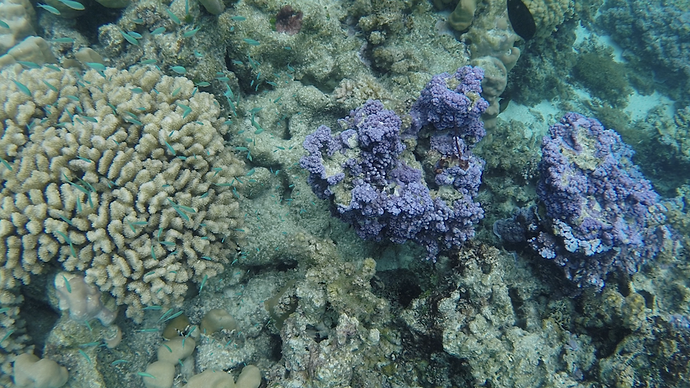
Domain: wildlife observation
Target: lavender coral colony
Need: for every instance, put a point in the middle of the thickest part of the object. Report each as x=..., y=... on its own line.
x=601, y=214
x=375, y=184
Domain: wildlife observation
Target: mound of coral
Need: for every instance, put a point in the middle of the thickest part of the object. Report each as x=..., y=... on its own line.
x=120, y=174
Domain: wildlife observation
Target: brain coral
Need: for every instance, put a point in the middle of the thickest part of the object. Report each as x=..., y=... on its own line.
x=120, y=174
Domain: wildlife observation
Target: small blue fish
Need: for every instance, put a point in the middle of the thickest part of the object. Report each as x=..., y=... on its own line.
x=30, y=65
x=73, y=4
x=129, y=38
x=4, y=25
x=133, y=120
x=173, y=16
x=135, y=34
x=85, y=356
x=203, y=282
x=63, y=40
x=22, y=88
x=7, y=165
x=158, y=31
x=178, y=69
x=238, y=18
x=251, y=42
x=9, y=333
x=189, y=34
x=67, y=285
x=96, y=66
x=49, y=8
x=172, y=150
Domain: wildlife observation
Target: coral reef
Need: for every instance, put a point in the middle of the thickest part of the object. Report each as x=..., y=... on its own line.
x=678, y=214
x=320, y=316
x=381, y=192
x=13, y=334
x=656, y=36
x=493, y=48
x=289, y=21
x=546, y=15
x=510, y=174
x=660, y=139
x=488, y=316
x=122, y=180
x=19, y=16
x=677, y=137
x=398, y=43
x=601, y=214
x=462, y=16
x=123, y=176
x=81, y=299
x=30, y=371
x=603, y=77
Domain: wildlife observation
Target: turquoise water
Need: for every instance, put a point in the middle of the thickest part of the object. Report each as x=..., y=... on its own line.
x=158, y=230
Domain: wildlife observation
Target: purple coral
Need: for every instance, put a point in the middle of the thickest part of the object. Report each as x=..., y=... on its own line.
x=452, y=103
x=602, y=214
x=362, y=172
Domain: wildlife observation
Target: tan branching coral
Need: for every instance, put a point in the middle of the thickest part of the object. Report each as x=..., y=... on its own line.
x=120, y=174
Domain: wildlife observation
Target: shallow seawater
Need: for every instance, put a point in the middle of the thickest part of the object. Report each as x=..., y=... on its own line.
x=350, y=193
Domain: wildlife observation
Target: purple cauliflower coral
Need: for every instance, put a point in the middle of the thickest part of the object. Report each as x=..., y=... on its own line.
x=601, y=213
x=362, y=172
x=452, y=103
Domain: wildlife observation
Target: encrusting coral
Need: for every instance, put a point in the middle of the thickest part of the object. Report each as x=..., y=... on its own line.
x=83, y=300
x=120, y=174
x=31, y=371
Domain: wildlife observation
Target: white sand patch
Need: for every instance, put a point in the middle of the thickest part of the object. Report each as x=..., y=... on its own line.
x=582, y=34
x=639, y=105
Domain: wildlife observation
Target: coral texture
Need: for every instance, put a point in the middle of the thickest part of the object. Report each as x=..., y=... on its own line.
x=658, y=36
x=491, y=316
x=119, y=174
x=548, y=15
x=372, y=187
x=289, y=21
x=83, y=300
x=31, y=371
x=19, y=16
x=602, y=214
